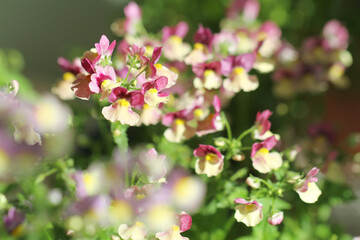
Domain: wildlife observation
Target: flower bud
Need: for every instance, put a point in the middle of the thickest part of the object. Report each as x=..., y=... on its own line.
x=253, y=182
x=220, y=143
x=276, y=218
x=238, y=157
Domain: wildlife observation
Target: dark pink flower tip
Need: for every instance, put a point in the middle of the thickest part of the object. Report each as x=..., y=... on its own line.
x=264, y=115
x=161, y=83
x=156, y=55
x=262, y=120
x=117, y=93
x=202, y=150
x=67, y=66
x=185, y=221
x=204, y=36
x=217, y=104
x=87, y=65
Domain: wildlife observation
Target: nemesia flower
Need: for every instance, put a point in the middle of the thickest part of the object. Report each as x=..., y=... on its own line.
x=179, y=129
x=135, y=232
x=262, y=125
x=133, y=18
x=249, y=9
x=272, y=39
x=307, y=189
x=120, y=109
x=162, y=71
x=155, y=165
x=213, y=122
x=171, y=234
x=208, y=75
x=174, y=47
x=253, y=182
x=250, y=213
x=151, y=70
x=150, y=115
x=239, y=78
x=263, y=160
x=209, y=162
x=152, y=91
x=63, y=88
x=13, y=222
x=336, y=35
x=104, y=48
x=103, y=81
x=276, y=218
x=89, y=183
x=203, y=45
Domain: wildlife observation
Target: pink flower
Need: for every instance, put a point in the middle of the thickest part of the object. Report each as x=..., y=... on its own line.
x=276, y=218
x=153, y=93
x=212, y=123
x=120, y=109
x=209, y=162
x=308, y=191
x=249, y=8
x=179, y=30
x=263, y=160
x=103, y=81
x=262, y=122
x=249, y=213
x=336, y=35
x=104, y=48
x=13, y=221
x=185, y=221
x=204, y=36
x=179, y=130
x=208, y=75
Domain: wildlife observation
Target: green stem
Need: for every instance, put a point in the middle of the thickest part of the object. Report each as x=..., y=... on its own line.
x=245, y=148
x=131, y=66
x=228, y=226
x=139, y=74
x=227, y=125
x=246, y=132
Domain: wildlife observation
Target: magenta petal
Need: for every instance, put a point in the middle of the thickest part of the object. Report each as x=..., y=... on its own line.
x=240, y=201
x=270, y=142
x=117, y=93
x=168, y=119
x=112, y=47
x=217, y=104
x=136, y=98
x=161, y=83
x=87, y=65
x=245, y=60
x=156, y=54
x=181, y=29
x=185, y=222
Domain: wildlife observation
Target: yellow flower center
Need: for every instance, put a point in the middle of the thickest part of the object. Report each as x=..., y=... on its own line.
x=106, y=85
x=146, y=106
x=139, y=224
x=179, y=121
x=69, y=77
x=211, y=158
x=238, y=70
x=153, y=91
x=175, y=39
x=123, y=103
x=262, y=36
x=264, y=151
x=176, y=228
x=158, y=66
x=198, y=113
x=199, y=46
x=208, y=72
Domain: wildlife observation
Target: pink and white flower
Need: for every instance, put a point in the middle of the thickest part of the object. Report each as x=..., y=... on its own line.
x=263, y=160
x=153, y=94
x=104, y=48
x=209, y=162
x=135, y=232
x=120, y=109
x=307, y=189
x=250, y=213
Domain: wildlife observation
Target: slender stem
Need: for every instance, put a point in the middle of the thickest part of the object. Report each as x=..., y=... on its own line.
x=246, y=132
x=139, y=74
x=131, y=66
x=227, y=125
x=245, y=148
x=228, y=226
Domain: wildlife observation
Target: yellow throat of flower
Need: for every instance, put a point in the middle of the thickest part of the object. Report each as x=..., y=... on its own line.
x=211, y=158
x=123, y=102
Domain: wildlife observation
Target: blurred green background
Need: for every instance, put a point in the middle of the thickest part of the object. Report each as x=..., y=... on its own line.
x=43, y=30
